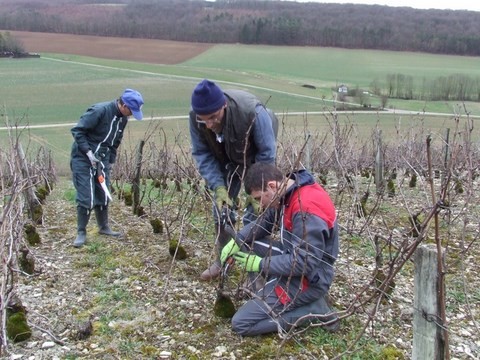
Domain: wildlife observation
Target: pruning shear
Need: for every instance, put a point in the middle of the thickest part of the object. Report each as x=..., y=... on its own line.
x=225, y=268
x=103, y=184
x=224, y=216
x=227, y=229
x=228, y=264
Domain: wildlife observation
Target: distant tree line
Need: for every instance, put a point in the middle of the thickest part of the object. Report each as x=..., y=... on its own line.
x=254, y=22
x=457, y=87
x=9, y=46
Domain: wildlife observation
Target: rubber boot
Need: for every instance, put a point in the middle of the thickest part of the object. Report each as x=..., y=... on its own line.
x=214, y=270
x=83, y=215
x=101, y=213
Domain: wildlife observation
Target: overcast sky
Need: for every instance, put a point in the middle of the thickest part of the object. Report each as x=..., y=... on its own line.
x=473, y=5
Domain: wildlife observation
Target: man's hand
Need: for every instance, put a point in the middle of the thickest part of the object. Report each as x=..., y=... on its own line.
x=92, y=158
x=228, y=250
x=255, y=204
x=250, y=262
x=221, y=197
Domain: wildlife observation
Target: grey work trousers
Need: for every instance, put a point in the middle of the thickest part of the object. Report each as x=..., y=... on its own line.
x=89, y=192
x=269, y=311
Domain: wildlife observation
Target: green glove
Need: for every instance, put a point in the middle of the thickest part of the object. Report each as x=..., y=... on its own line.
x=255, y=204
x=251, y=262
x=228, y=250
x=221, y=197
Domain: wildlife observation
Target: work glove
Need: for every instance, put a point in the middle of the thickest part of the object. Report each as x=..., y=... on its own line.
x=228, y=250
x=221, y=197
x=255, y=204
x=250, y=262
x=92, y=158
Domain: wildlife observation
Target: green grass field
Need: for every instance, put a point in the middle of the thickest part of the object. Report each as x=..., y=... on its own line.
x=330, y=66
x=57, y=88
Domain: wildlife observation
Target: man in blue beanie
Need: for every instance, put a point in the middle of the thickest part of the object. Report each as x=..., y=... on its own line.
x=230, y=130
x=97, y=136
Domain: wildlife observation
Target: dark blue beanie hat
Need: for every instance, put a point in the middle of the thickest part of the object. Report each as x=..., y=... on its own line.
x=207, y=98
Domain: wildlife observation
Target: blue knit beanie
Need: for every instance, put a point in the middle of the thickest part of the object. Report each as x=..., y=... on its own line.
x=207, y=98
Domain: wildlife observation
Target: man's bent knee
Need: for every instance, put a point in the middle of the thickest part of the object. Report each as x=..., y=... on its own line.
x=240, y=326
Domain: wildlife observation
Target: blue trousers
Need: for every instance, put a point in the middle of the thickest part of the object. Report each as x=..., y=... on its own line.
x=280, y=303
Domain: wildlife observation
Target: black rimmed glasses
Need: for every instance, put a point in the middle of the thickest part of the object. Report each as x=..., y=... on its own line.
x=209, y=119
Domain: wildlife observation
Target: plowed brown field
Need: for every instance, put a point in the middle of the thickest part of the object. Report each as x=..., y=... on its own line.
x=141, y=50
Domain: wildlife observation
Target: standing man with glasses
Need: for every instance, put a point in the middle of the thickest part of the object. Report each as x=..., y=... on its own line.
x=230, y=130
x=97, y=136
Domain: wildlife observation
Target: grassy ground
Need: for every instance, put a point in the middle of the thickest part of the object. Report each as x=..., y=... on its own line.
x=330, y=66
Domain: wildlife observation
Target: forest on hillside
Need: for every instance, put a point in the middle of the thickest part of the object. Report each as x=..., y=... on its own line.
x=254, y=22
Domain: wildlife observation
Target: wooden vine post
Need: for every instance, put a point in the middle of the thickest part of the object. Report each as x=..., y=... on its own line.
x=136, y=180
x=430, y=332
x=34, y=207
x=379, y=180
x=428, y=341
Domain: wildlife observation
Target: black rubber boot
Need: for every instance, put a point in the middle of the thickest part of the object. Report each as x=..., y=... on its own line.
x=101, y=213
x=83, y=215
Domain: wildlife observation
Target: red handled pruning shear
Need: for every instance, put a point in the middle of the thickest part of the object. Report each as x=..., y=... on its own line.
x=103, y=184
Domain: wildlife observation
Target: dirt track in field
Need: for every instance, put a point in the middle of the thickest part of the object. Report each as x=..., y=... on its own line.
x=141, y=50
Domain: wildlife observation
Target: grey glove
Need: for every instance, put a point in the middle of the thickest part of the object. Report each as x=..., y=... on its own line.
x=92, y=158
